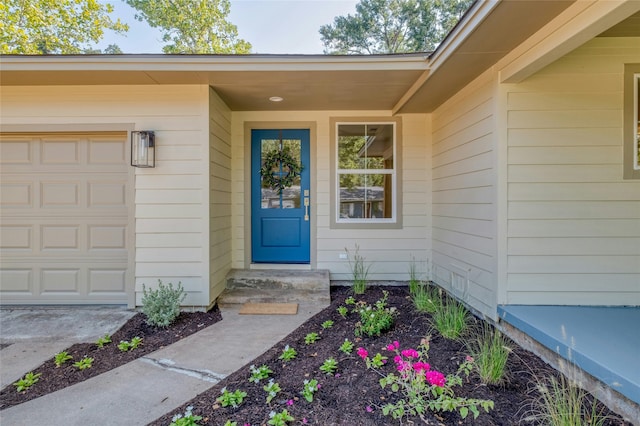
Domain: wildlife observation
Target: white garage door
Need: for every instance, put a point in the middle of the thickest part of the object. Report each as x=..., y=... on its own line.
x=63, y=205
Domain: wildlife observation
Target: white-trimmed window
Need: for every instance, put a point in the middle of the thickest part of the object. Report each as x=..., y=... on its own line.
x=632, y=121
x=365, y=159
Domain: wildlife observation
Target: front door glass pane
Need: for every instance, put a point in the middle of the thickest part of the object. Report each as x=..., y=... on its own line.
x=290, y=196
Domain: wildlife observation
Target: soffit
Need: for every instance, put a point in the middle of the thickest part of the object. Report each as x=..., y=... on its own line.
x=402, y=83
x=507, y=25
x=630, y=27
x=245, y=83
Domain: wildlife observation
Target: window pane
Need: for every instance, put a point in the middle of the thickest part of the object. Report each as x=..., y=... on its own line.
x=364, y=196
x=290, y=197
x=362, y=147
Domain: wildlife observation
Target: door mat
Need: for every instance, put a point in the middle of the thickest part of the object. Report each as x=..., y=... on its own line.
x=269, y=309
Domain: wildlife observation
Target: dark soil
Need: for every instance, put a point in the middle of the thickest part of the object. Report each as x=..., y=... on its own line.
x=109, y=356
x=353, y=396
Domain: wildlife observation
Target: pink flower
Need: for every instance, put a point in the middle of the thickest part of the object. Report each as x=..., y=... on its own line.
x=403, y=366
x=396, y=344
x=305, y=421
x=362, y=353
x=369, y=409
x=410, y=353
x=390, y=347
x=469, y=358
x=397, y=359
x=290, y=402
x=436, y=378
x=421, y=366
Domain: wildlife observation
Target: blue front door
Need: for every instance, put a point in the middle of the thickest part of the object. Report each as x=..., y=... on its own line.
x=280, y=227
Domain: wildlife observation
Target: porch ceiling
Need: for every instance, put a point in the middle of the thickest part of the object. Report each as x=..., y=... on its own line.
x=406, y=83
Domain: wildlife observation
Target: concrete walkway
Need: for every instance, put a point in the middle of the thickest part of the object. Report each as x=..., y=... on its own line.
x=145, y=389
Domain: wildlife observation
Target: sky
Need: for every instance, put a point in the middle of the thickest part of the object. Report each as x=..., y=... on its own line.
x=271, y=26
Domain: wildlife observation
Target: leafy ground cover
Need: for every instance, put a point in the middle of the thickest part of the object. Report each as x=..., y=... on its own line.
x=52, y=378
x=318, y=374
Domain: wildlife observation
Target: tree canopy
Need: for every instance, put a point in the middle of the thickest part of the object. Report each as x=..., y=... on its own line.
x=54, y=26
x=392, y=26
x=192, y=26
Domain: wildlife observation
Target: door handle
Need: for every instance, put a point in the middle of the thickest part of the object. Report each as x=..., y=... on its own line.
x=306, y=209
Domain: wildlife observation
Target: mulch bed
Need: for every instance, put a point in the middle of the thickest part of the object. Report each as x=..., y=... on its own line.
x=109, y=356
x=354, y=396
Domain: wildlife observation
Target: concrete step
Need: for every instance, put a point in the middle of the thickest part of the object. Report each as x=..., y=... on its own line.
x=276, y=286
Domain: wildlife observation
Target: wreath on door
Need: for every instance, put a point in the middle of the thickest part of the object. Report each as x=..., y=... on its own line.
x=279, y=169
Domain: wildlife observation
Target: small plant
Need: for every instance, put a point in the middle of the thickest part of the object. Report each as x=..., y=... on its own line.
x=311, y=338
x=84, y=363
x=233, y=399
x=343, y=311
x=346, y=347
x=103, y=341
x=422, y=387
x=27, y=381
x=451, y=320
x=230, y=423
x=259, y=373
x=374, y=320
x=162, y=305
x=327, y=324
x=125, y=346
x=280, y=419
x=490, y=352
x=188, y=419
x=61, y=358
x=426, y=298
x=349, y=301
x=288, y=353
x=329, y=366
x=309, y=388
x=414, y=279
x=359, y=271
x=377, y=361
x=564, y=404
x=272, y=388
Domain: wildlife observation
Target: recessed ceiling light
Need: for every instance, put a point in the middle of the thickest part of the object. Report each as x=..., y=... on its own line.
x=276, y=99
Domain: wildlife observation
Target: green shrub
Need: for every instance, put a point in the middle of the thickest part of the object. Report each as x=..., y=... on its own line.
x=451, y=319
x=426, y=298
x=490, y=351
x=562, y=403
x=162, y=306
x=359, y=271
x=374, y=320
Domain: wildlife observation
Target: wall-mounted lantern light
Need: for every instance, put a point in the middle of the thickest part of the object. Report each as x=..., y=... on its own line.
x=143, y=148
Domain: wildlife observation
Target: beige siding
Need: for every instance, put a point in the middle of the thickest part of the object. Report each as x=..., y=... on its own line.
x=464, y=195
x=171, y=200
x=220, y=193
x=388, y=250
x=573, y=234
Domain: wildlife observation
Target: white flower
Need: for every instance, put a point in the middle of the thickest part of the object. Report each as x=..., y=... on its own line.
x=272, y=414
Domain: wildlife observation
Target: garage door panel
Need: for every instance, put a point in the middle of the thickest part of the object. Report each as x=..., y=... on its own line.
x=107, y=152
x=105, y=194
x=60, y=194
x=16, y=237
x=64, y=235
x=16, y=152
x=58, y=152
x=57, y=237
x=16, y=280
x=107, y=237
x=107, y=280
x=60, y=280
x=16, y=195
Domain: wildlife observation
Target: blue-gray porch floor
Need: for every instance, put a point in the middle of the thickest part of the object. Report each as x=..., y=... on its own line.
x=604, y=341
